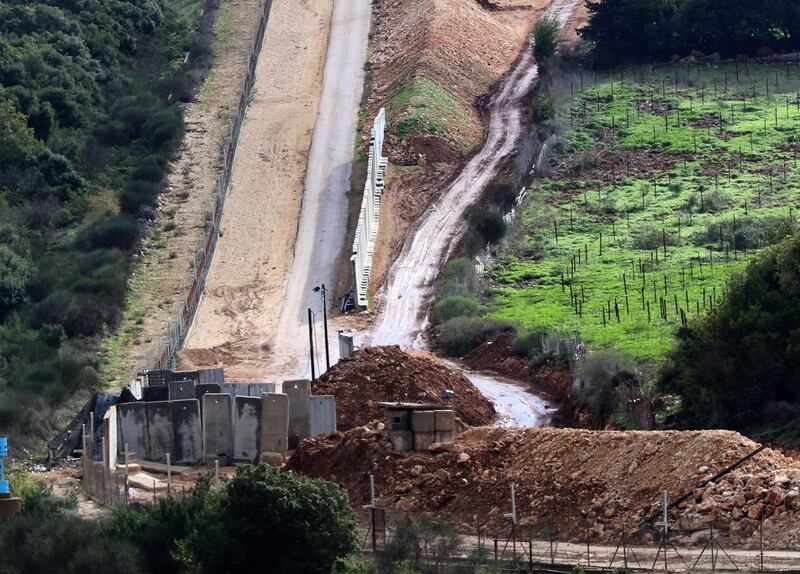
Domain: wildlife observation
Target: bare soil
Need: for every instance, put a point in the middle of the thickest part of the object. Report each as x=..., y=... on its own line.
x=609, y=481
x=240, y=308
x=165, y=260
x=376, y=374
x=464, y=46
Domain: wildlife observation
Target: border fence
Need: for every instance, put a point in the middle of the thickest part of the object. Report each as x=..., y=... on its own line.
x=193, y=284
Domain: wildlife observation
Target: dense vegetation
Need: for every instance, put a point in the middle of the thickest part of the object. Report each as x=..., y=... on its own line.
x=652, y=30
x=260, y=521
x=739, y=367
x=88, y=121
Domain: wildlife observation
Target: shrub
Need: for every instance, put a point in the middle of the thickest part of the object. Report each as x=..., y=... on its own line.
x=542, y=107
x=545, y=38
x=602, y=380
x=137, y=193
x=453, y=306
x=651, y=237
x=460, y=335
x=120, y=231
x=457, y=278
x=14, y=274
x=489, y=224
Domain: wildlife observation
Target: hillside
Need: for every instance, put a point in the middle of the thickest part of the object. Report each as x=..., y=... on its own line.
x=432, y=81
x=666, y=184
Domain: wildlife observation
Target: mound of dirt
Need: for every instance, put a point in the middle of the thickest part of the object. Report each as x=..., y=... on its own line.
x=572, y=479
x=376, y=374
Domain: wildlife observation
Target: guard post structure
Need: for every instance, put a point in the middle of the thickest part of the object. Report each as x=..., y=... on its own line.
x=9, y=505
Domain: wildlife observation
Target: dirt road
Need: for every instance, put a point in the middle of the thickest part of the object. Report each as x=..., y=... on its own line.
x=323, y=220
x=238, y=315
x=406, y=296
x=515, y=405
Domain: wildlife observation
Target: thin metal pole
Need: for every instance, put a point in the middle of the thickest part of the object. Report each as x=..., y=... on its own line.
x=216, y=470
x=325, y=327
x=169, y=475
x=127, y=459
x=311, y=345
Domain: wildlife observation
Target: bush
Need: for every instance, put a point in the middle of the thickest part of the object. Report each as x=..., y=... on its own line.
x=602, y=381
x=542, y=107
x=489, y=224
x=137, y=193
x=453, y=306
x=291, y=522
x=460, y=335
x=14, y=274
x=120, y=231
x=545, y=38
x=457, y=278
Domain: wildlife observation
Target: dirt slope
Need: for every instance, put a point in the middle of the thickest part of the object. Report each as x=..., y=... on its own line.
x=610, y=479
x=432, y=65
x=379, y=374
x=241, y=303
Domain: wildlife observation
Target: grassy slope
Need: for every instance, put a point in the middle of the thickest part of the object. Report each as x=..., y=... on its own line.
x=608, y=201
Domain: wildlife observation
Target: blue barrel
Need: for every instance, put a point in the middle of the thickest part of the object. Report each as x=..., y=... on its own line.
x=4, y=487
x=3, y=446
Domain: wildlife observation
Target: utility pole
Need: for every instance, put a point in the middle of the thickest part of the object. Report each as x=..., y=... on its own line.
x=325, y=327
x=311, y=344
x=371, y=508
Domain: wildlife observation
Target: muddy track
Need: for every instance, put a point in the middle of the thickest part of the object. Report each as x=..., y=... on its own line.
x=405, y=299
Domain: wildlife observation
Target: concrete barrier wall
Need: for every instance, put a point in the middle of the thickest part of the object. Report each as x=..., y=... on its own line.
x=188, y=431
x=207, y=376
x=299, y=393
x=274, y=423
x=160, y=434
x=181, y=390
x=322, y=415
x=369, y=216
x=246, y=428
x=132, y=420
x=217, y=426
x=110, y=438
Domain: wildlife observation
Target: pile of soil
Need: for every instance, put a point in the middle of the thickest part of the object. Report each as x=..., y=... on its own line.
x=606, y=481
x=377, y=374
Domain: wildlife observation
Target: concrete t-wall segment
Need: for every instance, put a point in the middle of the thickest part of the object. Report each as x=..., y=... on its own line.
x=110, y=427
x=181, y=390
x=322, y=415
x=299, y=393
x=217, y=426
x=161, y=436
x=246, y=428
x=369, y=216
x=132, y=420
x=188, y=431
x=274, y=423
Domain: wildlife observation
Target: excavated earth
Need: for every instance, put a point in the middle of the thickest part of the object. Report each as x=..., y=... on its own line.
x=606, y=481
x=376, y=374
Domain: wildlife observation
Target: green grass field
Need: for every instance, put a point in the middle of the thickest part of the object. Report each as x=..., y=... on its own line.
x=669, y=181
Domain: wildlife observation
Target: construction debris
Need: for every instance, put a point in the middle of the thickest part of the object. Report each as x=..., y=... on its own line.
x=573, y=481
x=378, y=374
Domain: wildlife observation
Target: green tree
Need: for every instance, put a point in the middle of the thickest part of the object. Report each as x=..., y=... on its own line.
x=276, y=522
x=18, y=145
x=739, y=367
x=14, y=274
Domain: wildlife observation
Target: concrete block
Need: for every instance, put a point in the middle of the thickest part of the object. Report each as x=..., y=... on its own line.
x=236, y=389
x=399, y=420
x=401, y=440
x=345, y=346
x=246, y=428
x=181, y=390
x=201, y=389
x=110, y=438
x=322, y=417
x=423, y=421
x=132, y=420
x=215, y=375
x=188, y=431
x=299, y=393
x=186, y=376
x=160, y=432
x=445, y=420
x=155, y=394
x=274, y=423
x=217, y=426
x=258, y=389
x=445, y=436
x=422, y=440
